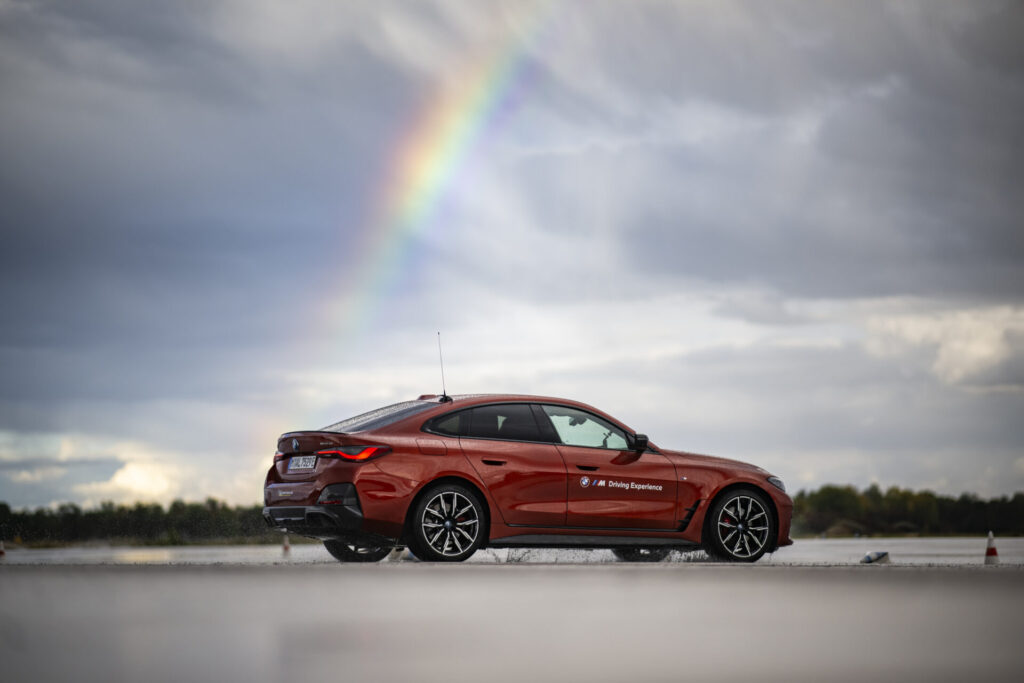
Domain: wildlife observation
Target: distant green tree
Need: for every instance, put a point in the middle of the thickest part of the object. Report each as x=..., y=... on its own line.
x=139, y=523
x=829, y=506
x=843, y=509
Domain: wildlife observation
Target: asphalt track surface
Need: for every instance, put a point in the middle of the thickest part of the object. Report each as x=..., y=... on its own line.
x=512, y=622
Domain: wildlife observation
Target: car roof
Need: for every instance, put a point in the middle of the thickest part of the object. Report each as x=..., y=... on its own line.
x=475, y=399
x=469, y=400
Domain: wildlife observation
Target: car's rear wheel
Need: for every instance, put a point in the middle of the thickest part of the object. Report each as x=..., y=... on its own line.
x=346, y=551
x=641, y=554
x=447, y=524
x=739, y=527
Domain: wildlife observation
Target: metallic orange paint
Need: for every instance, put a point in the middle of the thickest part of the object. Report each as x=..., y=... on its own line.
x=530, y=488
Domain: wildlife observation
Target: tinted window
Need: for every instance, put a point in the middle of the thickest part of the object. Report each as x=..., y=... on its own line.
x=579, y=428
x=509, y=422
x=381, y=417
x=452, y=424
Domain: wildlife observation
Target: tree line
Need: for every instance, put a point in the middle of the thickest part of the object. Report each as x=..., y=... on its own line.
x=832, y=510
x=144, y=523
x=843, y=511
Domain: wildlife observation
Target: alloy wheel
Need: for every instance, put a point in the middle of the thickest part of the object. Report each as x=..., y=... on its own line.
x=450, y=523
x=743, y=525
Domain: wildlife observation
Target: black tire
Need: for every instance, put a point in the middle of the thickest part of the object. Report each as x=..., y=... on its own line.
x=641, y=554
x=447, y=524
x=739, y=527
x=346, y=551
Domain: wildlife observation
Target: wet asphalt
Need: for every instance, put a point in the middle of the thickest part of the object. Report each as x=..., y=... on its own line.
x=510, y=622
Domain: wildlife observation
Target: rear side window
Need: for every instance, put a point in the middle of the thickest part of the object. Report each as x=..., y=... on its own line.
x=508, y=422
x=381, y=417
x=452, y=424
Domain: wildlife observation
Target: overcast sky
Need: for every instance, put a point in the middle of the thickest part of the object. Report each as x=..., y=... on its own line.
x=788, y=233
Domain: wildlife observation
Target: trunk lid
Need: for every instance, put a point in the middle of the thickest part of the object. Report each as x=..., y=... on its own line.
x=306, y=443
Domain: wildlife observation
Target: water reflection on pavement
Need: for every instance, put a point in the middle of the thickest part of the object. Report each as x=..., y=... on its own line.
x=846, y=551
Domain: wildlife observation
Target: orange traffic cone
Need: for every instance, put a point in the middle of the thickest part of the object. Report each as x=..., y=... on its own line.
x=991, y=556
x=286, y=547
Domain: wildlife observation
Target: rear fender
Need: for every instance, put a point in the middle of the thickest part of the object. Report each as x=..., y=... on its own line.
x=475, y=486
x=396, y=482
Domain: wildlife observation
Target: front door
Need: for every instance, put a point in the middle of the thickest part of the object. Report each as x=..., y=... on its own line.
x=609, y=486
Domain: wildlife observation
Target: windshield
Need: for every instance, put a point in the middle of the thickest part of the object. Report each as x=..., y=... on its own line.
x=381, y=417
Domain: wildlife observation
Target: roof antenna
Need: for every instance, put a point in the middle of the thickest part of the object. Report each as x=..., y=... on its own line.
x=444, y=392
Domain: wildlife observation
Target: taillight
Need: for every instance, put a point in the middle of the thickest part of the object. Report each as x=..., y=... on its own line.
x=355, y=453
x=279, y=456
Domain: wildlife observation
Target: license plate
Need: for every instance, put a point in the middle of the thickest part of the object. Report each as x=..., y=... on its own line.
x=302, y=462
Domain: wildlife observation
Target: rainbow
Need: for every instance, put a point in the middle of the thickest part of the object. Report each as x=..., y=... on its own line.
x=428, y=161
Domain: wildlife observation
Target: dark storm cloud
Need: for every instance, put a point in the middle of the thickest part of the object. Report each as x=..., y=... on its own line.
x=906, y=185
x=171, y=199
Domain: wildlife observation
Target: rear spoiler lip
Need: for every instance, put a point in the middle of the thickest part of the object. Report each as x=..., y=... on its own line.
x=312, y=441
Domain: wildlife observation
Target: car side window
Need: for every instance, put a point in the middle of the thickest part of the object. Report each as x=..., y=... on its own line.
x=452, y=424
x=508, y=422
x=580, y=428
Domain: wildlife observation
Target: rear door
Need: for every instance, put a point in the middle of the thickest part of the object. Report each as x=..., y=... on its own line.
x=609, y=486
x=521, y=468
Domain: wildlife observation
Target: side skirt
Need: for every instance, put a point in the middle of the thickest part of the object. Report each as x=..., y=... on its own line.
x=590, y=542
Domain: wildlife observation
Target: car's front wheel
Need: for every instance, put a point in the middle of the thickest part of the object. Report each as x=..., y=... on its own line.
x=447, y=524
x=641, y=554
x=356, y=552
x=740, y=527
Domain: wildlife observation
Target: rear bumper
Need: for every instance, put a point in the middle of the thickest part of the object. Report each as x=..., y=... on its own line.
x=316, y=521
x=319, y=521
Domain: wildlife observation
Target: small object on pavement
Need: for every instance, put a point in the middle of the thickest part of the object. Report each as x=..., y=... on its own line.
x=876, y=557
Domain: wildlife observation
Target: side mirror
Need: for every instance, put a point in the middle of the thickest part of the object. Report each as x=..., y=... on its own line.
x=640, y=442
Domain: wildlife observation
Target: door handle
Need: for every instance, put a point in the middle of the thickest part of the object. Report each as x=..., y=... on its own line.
x=587, y=468
x=493, y=463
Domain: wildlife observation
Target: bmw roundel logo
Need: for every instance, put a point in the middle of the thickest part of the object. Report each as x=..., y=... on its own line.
x=585, y=482
x=295, y=445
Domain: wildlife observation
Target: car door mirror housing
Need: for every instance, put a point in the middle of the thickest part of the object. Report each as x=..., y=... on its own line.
x=640, y=442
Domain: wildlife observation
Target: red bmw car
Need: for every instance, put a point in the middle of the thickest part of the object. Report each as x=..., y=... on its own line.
x=447, y=476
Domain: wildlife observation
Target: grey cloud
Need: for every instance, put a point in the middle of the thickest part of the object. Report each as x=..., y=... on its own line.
x=839, y=398
x=762, y=308
x=53, y=480
x=169, y=204
x=766, y=58
x=907, y=188
x=1007, y=375
x=877, y=232
x=17, y=464
x=991, y=38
